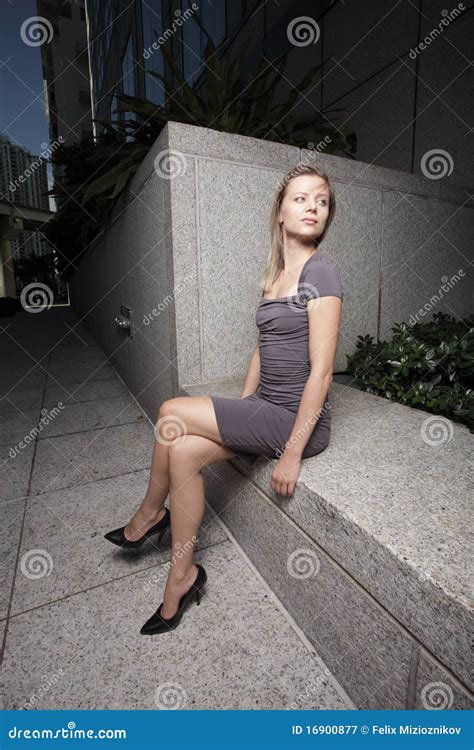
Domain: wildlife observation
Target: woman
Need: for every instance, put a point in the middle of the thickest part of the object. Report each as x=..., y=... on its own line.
x=282, y=411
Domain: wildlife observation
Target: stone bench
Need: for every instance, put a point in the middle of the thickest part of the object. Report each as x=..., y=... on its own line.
x=370, y=556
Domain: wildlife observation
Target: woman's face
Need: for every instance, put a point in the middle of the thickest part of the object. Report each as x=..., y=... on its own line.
x=305, y=207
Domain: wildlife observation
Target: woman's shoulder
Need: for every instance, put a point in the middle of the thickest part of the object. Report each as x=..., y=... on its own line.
x=322, y=274
x=322, y=259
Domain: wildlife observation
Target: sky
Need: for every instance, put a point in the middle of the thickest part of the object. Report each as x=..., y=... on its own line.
x=22, y=113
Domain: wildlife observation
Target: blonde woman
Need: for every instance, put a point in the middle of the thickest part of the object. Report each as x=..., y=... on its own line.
x=282, y=411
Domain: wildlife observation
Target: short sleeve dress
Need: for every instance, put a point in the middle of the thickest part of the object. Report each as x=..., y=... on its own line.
x=261, y=423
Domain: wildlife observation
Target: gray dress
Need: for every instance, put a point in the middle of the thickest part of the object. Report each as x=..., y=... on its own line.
x=261, y=424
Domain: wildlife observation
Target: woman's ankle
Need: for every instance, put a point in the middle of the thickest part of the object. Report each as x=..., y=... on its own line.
x=152, y=513
x=178, y=576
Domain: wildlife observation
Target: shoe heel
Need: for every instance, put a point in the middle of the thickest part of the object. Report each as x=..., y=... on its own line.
x=161, y=535
x=200, y=593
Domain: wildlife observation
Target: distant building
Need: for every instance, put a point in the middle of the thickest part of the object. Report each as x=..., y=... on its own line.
x=23, y=176
x=66, y=70
x=24, y=182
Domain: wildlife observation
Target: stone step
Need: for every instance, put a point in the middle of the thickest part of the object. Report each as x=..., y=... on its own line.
x=371, y=554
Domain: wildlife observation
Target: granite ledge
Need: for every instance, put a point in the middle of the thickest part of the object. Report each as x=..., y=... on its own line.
x=369, y=504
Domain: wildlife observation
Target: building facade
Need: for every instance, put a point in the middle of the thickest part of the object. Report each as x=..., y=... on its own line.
x=396, y=73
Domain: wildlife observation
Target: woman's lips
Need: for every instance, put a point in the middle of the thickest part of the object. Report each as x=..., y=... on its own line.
x=310, y=221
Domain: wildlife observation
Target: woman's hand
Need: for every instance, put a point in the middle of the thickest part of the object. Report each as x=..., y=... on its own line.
x=285, y=474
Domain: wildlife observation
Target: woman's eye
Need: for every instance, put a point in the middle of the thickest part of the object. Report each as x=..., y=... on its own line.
x=321, y=200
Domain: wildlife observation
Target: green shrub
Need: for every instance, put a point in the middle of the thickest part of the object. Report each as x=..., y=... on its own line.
x=429, y=366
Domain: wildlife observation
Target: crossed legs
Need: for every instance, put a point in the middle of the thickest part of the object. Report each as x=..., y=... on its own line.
x=187, y=440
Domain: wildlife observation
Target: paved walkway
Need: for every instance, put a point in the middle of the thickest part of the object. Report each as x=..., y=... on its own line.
x=71, y=605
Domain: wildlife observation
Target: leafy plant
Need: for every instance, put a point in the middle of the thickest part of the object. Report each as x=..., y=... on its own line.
x=226, y=98
x=78, y=222
x=232, y=100
x=429, y=366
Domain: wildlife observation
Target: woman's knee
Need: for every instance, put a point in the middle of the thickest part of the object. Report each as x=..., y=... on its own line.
x=169, y=407
x=187, y=451
x=169, y=426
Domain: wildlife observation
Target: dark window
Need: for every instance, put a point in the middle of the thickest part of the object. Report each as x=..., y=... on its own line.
x=114, y=116
x=152, y=58
x=127, y=69
x=194, y=41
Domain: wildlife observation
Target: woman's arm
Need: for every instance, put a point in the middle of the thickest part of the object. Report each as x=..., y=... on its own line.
x=324, y=316
x=252, y=379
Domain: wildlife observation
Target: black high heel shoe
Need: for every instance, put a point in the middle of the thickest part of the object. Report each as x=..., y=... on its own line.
x=118, y=537
x=159, y=624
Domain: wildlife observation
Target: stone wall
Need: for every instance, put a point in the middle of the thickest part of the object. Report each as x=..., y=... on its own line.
x=189, y=240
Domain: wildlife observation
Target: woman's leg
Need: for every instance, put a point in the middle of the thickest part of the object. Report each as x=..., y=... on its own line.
x=187, y=458
x=177, y=417
x=152, y=508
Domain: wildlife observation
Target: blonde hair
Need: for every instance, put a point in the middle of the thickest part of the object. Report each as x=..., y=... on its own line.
x=275, y=260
